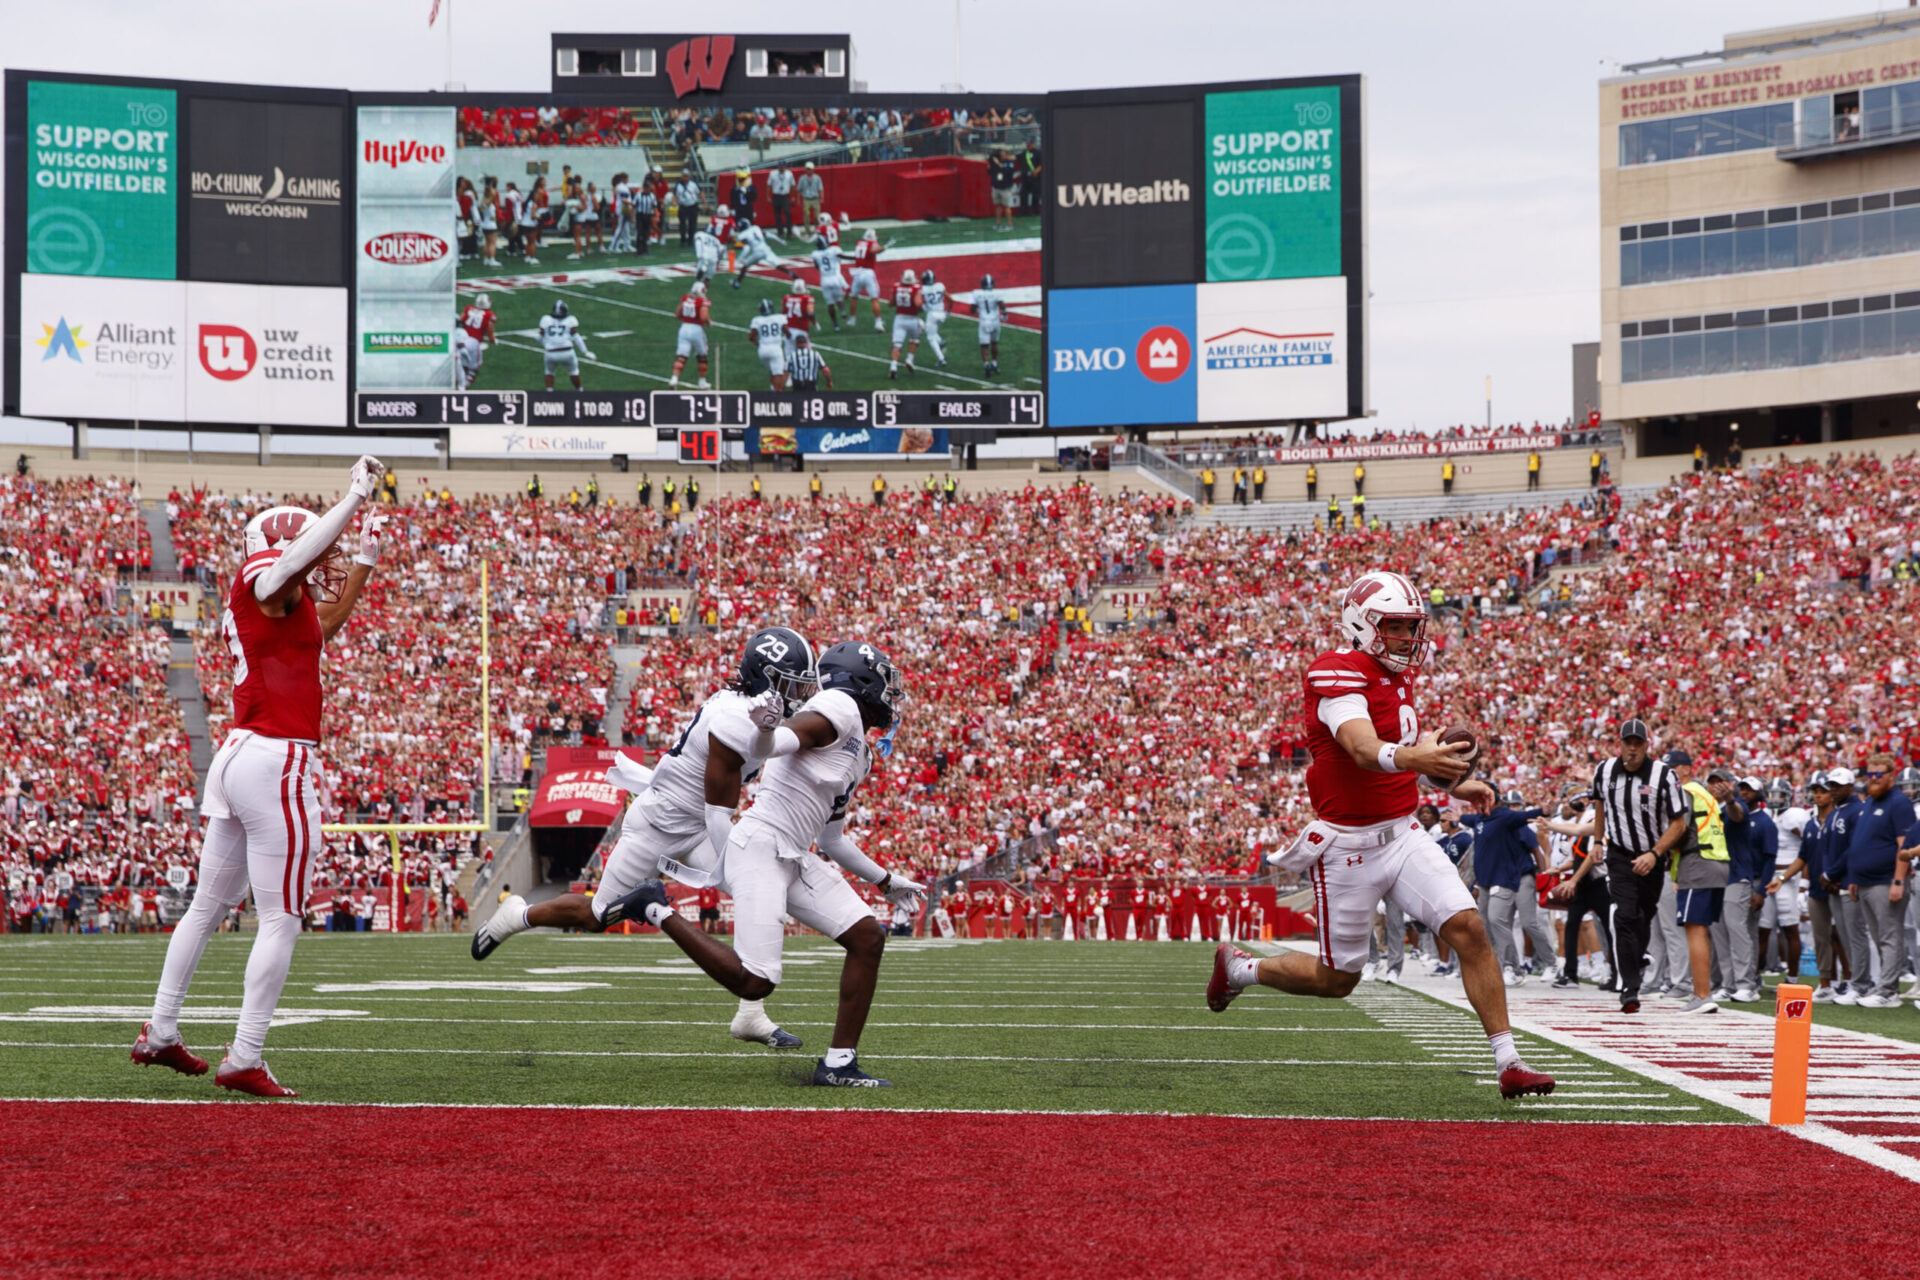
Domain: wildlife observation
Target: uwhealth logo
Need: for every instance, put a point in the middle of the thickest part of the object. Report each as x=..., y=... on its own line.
x=1089, y=195
x=1255, y=349
x=391, y=343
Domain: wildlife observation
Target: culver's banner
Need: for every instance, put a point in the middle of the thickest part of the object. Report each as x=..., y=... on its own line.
x=905, y=441
x=406, y=247
x=167, y=351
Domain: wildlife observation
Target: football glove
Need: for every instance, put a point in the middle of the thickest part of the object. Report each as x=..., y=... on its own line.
x=902, y=892
x=767, y=711
x=372, y=530
x=366, y=477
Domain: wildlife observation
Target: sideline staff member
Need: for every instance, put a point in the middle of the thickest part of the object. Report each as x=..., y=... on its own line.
x=1640, y=816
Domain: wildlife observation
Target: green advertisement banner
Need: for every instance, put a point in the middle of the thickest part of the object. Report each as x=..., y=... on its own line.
x=101, y=168
x=1273, y=184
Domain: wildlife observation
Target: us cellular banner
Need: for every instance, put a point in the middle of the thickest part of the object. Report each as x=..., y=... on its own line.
x=1272, y=349
x=101, y=180
x=1273, y=184
x=164, y=351
x=406, y=248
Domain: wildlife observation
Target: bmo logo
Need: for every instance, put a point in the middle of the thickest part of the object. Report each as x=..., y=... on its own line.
x=1164, y=353
x=1089, y=360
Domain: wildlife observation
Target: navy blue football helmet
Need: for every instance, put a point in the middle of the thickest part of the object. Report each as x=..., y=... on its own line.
x=863, y=672
x=779, y=658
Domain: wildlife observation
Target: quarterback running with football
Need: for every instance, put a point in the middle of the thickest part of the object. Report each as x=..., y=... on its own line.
x=263, y=789
x=815, y=760
x=671, y=827
x=1365, y=843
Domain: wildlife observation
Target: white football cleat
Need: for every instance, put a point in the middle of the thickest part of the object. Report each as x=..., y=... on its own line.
x=510, y=919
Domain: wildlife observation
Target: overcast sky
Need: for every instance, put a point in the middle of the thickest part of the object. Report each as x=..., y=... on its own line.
x=1482, y=150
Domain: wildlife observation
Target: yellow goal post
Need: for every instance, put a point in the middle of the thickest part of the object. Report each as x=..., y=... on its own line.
x=394, y=830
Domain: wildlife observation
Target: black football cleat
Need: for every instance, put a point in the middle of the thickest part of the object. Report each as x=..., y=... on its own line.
x=847, y=1077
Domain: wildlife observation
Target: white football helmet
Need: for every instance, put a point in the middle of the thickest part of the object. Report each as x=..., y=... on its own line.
x=1375, y=598
x=484, y=302
x=699, y=289
x=275, y=530
x=799, y=285
x=871, y=234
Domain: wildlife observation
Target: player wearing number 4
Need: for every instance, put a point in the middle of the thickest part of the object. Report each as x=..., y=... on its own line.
x=681, y=816
x=814, y=762
x=263, y=788
x=1365, y=843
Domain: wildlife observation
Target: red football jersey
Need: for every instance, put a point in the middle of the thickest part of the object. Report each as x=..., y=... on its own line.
x=831, y=231
x=276, y=661
x=692, y=310
x=1342, y=792
x=478, y=322
x=906, y=299
x=867, y=254
x=799, y=308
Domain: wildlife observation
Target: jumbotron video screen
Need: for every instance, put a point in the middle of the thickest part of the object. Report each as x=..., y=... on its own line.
x=577, y=258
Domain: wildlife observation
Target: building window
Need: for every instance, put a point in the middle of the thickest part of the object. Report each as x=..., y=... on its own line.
x=1813, y=333
x=1708, y=133
x=1807, y=235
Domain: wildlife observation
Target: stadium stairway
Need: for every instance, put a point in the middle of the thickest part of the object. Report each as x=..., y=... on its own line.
x=154, y=513
x=626, y=665
x=183, y=676
x=1300, y=515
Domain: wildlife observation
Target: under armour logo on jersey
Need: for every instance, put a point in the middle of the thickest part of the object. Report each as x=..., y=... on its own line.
x=1354, y=860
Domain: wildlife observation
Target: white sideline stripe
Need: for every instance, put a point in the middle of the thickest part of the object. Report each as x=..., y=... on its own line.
x=78, y=1013
x=1547, y=1105
x=717, y=1001
x=763, y=1055
x=905, y=1111
x=1861, y=1148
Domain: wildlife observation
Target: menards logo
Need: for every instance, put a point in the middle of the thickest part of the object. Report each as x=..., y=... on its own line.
x=387, y=343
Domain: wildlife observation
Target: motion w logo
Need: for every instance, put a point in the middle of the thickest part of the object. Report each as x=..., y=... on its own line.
x=699, y=63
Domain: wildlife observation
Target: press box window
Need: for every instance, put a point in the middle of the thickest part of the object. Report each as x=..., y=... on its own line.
x=603, y=62
x=797, y=62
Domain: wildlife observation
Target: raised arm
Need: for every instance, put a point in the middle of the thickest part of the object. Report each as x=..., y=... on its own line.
x=314, y=541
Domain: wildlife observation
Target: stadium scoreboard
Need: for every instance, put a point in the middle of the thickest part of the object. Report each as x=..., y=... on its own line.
x=695, y=408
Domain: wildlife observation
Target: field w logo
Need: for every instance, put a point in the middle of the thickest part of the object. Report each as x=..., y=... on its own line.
x=699, y=63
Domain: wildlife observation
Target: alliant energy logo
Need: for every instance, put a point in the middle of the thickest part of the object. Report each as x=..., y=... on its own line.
x=255, y=195
x=406, y=248
x=116, y=345
x=1091, y=195
x=402, y=153
x=1254, y=349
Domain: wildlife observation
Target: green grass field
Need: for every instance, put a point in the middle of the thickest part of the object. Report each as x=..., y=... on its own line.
x=628, y=319
x=583, y=1020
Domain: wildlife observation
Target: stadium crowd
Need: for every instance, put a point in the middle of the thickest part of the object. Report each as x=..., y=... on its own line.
x=1163, y=742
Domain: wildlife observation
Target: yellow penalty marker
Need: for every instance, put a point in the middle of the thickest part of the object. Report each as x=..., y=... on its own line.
x=1792, y=1041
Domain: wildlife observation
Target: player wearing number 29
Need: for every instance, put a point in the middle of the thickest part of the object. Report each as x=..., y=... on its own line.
x=263, y=789
x=815, y=760
x=1365, y=844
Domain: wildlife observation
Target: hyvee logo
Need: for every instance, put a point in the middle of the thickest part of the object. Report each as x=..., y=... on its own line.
x=1089, y=195
x=227, y=352
x=699, y=63
x=230, y=353
x=404, y=248
x=254, y=195
x=401, y=153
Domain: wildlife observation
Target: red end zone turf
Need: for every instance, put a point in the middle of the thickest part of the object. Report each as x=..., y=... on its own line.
x=113, y=1189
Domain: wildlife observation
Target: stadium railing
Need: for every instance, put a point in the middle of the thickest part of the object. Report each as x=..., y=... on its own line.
x=1162, y=467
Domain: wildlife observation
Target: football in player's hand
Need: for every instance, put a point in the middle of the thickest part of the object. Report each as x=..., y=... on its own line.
x=1452, y=734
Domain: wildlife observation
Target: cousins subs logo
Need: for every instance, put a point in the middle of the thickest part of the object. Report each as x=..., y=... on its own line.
x=406, y=248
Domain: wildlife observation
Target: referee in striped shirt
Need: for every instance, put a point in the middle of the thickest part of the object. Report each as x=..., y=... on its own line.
x=1641, y=815
x=645, y=206
x=806, y=366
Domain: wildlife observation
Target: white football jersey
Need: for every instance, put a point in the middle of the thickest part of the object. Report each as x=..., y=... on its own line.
x=801, y=793
x=987, y=305
x=827, y=262
x=936, y=296
x=468, y=348
x=1790, y=823
x=752, y=237
x=705, y=245
x=676, y=803
x=558, y=333
x=769, y=330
